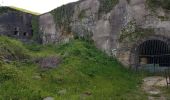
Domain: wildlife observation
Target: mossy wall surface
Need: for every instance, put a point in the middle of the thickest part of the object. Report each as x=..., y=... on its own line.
x=63, y=16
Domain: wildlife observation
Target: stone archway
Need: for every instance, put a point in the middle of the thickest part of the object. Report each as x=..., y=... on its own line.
x=151, y=51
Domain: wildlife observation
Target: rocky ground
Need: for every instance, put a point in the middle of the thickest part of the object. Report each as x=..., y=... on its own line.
x=153, y=87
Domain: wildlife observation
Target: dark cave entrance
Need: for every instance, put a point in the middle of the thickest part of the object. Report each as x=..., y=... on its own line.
x=154, y=53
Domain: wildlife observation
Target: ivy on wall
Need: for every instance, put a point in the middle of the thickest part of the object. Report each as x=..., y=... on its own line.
x=63, y=15
x=35, y=28
x=107, y=5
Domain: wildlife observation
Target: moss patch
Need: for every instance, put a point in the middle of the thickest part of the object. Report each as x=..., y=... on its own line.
x=63, y=15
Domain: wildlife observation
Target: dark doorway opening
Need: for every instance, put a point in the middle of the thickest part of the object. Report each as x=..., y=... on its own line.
x=154, y=52
x=25, y=34
x=16, y=31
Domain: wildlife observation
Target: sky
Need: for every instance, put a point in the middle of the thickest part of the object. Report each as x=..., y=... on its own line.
x=39, y=6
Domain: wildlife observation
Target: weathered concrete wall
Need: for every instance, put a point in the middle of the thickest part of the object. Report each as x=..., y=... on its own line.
x=48, y=27
x=51, y=33
x=16, y=24
x=151, y=25
x=116, y=32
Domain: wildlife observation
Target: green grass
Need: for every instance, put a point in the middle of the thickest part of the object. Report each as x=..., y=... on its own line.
x=85, y=73
x=11, y=49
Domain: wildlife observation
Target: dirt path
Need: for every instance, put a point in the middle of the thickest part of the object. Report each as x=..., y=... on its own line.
x=152, y=85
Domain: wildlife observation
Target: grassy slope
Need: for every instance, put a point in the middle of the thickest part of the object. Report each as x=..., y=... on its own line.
x=85, y=73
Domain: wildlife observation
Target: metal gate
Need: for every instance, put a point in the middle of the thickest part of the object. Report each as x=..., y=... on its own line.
x=154, y=56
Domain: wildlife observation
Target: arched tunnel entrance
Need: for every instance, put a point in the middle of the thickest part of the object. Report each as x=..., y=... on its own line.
x=154, y=54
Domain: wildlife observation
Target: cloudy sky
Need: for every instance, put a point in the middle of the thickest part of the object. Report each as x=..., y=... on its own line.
x=40, y=6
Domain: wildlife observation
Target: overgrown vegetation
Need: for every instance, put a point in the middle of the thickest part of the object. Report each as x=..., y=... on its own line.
x=35, y=28
x=85, y=73
x=63, y=15
x=107, y=5
x=159, y=3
